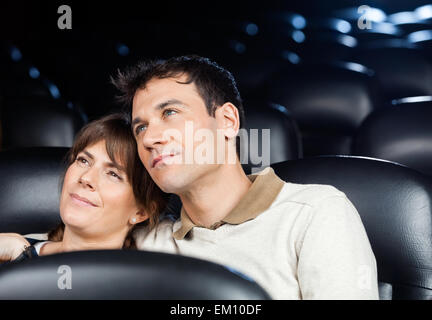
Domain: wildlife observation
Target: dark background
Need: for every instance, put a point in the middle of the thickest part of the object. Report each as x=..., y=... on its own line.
x=80, y=61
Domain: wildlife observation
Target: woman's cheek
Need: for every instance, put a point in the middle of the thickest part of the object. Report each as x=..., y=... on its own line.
x=119, y=202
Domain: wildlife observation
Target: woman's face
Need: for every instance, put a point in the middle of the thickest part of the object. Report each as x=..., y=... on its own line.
x=97, y=199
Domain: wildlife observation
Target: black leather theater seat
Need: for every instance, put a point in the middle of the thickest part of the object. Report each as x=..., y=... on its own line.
x=395, y=205
x=328, y=103
x=37, y=122
x=400, y=72
x=115, y=274
x=30, y=189
x=284, y=136
x=401, y=133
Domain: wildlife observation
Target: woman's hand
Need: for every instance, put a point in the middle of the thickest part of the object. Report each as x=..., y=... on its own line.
x=11, y=246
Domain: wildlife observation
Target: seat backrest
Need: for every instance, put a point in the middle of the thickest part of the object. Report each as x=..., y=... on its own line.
x=51, y=123
x=401, y=133
x=400, y=72
x=30, y=189
x=117, y=274
x=272, y=135
x=395, y=205
x=328, y=103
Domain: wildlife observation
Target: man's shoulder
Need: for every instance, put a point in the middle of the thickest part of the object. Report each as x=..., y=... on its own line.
x=307, y=194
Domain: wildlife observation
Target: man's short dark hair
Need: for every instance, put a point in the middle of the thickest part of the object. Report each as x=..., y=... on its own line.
x=215, y=84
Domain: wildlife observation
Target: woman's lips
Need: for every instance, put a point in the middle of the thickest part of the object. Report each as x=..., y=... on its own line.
x=82, y=201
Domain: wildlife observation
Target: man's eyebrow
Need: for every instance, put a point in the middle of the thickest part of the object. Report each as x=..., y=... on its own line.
x=159, y=106
x=135, y=121
x=169, y=102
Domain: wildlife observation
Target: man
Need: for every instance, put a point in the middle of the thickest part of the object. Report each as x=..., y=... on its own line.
x=296, y=241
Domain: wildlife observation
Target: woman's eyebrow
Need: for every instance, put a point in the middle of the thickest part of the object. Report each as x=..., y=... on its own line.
x=115, y=166
x=88, y=154
x=107, y=164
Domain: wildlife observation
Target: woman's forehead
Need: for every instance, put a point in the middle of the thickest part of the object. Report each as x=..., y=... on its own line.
x=103, y=150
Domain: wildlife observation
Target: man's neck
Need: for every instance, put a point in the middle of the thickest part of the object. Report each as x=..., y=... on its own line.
x=214, y=196
x=74, y=242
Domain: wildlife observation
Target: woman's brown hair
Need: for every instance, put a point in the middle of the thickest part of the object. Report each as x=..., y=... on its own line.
x=121, y=147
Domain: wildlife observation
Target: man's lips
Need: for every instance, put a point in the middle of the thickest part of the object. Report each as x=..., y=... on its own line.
x=82, y=200
x=161, y=157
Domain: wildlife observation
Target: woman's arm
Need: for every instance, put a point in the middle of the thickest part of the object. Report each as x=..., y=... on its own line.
x=11, y=246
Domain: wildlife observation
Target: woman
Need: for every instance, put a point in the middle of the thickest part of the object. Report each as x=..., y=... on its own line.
x=106, y=192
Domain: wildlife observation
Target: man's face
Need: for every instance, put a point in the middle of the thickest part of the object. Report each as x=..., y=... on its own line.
x=165, y=117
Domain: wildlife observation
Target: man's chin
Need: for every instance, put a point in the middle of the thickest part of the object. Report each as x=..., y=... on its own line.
x=168, y=180
x=170, y=187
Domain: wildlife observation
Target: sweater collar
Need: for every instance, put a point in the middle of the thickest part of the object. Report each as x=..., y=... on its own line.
x=265, y=187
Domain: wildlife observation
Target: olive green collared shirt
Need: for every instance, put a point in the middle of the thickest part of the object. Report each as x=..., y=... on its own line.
x=265, y=187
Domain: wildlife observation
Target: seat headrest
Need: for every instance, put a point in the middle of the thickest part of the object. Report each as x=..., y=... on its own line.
x=282, y=142
x=121, y=274
x=401, y=133
x=400, y=72
x=30, y=189
x=324, y=97
x=51, y=123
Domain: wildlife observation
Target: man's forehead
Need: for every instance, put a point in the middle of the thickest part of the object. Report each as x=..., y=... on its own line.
x=157, y=91
x=157, y=85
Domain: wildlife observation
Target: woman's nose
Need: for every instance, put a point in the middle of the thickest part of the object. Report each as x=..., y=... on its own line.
x=86, y=180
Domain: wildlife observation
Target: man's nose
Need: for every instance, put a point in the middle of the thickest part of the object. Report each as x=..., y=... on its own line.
x=155, y=135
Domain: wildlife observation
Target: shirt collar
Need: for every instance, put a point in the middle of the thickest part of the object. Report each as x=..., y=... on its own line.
x=265, y=187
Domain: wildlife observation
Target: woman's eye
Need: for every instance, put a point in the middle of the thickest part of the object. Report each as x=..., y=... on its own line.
x=169, y=112
x=82, y=161
x=115, y=175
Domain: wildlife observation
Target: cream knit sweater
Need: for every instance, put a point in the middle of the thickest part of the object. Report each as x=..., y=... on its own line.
x=309, y=244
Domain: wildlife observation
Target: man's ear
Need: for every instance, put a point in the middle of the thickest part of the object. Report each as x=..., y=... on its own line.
x=228, y=120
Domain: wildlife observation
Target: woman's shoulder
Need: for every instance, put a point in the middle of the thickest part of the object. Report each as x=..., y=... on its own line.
x=33, y=241
x=33, y=250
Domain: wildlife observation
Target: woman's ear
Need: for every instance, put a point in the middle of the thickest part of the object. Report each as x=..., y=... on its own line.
x=138, y=217
x=228, y=120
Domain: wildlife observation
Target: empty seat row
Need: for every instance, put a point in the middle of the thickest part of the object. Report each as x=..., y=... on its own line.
x=399, y=68
x=399, y=133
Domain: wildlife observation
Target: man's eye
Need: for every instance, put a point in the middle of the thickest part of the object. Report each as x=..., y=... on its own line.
x=169, y=112
x=140, y=129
